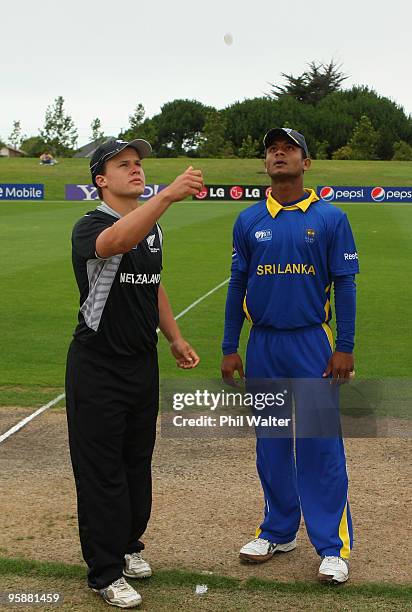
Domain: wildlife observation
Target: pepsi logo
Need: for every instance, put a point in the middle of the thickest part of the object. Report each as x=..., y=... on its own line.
x=378, y=194
x=327, y=194
x=236, y=192
x=202, y=194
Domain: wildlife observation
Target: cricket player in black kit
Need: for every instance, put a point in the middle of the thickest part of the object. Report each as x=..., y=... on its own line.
x=112, y=370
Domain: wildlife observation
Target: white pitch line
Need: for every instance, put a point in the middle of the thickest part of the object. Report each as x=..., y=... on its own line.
x=201, y=299
x=54, y=401
x=24, y=422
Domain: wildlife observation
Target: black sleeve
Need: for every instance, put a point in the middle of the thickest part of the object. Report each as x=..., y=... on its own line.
x=85, y=234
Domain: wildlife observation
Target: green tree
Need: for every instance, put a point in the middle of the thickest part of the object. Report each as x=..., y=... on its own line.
x=16, y=136
x=137, y=122
x=213, y=139
x=148, y=131
x=335, y=118
x=254, y=116
x=179, y=125
x=249, y=147
x=136, y=119
x=33, y=146
x=364, y=139
x=344, y=152
x=322, y=149
x=96, y=128
x=296, y=87
x=228, y=150
x=318, y=81
x=402, y=151
x=59, y=132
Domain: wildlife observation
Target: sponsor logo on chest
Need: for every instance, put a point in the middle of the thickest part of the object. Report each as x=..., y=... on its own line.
x=263, y=235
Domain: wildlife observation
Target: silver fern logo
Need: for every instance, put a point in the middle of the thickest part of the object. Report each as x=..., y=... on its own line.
x=150, y=243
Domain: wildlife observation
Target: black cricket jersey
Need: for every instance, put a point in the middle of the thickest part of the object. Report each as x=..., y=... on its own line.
x=119, y=311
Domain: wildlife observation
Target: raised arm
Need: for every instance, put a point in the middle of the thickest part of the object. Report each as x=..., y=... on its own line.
x=132, y=228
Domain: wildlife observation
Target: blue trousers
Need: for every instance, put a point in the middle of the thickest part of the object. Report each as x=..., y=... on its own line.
x=311, y=477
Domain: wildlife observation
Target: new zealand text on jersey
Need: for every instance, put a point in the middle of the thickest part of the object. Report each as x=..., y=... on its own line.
x=139, y=279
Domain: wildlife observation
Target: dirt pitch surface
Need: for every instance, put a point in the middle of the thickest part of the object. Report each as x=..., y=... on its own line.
x=207, y=504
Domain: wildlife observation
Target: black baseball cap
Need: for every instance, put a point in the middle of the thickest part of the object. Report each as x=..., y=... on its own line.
x=296, y=137
x=112, y=147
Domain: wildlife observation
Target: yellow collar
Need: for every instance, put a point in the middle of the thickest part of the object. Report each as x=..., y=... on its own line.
x=274, y=207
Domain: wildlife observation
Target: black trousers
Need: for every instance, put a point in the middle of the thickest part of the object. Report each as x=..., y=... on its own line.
x=112, y=406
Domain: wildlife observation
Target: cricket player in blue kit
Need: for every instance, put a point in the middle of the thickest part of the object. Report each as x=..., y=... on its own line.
x=288, y=251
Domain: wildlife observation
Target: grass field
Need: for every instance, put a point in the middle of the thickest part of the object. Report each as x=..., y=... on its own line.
x=245, y=171
x=38, y=313
x=176, y=590
x=39, y=297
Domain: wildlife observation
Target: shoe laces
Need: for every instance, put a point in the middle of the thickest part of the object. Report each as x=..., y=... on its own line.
x=121, y=584
x=136, y=558
x=261, y=541
x=335, y=559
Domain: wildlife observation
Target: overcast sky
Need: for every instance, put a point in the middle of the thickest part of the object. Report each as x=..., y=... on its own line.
x=105, y=56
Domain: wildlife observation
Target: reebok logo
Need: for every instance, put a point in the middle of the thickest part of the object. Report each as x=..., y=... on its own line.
x=350, y=256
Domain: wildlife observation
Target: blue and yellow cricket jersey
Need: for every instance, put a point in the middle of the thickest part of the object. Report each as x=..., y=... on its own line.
x=286, y=259
x=291, y=255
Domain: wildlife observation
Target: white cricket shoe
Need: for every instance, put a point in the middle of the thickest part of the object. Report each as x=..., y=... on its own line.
x=136, y=566
x=120, y=594
x=333, y=570
x=260, y=550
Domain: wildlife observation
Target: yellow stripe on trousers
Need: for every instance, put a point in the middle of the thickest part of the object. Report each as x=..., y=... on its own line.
x=344, y=534
x=343, y=525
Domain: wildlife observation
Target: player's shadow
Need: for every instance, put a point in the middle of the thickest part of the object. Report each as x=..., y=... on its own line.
x=359, y=407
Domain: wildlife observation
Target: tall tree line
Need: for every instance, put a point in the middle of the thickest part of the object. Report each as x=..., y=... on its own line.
x=352, y=123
